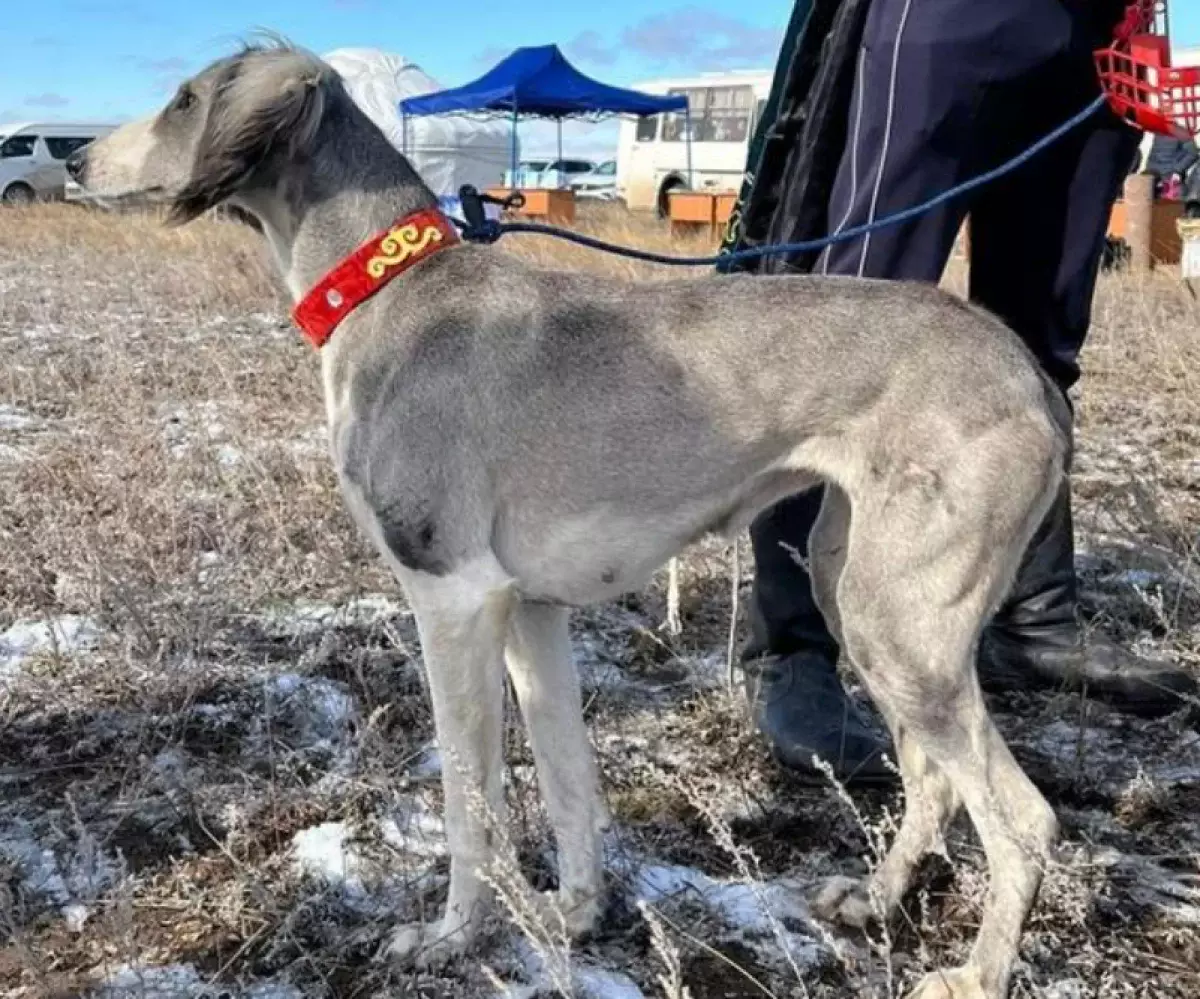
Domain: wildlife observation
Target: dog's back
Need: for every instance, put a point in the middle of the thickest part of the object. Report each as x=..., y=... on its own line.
x=585, y=410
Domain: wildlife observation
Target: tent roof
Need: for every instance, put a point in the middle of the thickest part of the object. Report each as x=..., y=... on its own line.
x=539, y=81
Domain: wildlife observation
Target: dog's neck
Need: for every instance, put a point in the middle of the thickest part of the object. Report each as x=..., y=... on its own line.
x=352, y=186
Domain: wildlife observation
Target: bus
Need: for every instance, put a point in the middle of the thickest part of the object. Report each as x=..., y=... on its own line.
x=652, y=154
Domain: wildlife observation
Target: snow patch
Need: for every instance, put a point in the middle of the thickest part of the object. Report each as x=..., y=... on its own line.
x=414, y=828
x=588, y=981
x=371, y=884
x=310, y=617
x=66, y=884
x=427, y=766
x=330, y=707
x=38, y=867
x=174, y=981
x=12, y=418
x=62, y=635
x=325, y=852
x=600, y=983
x=180, y=981
x=229, y=456
x=1141, y=578
x=10, y=455
x=764, y=913
x=1071, y=988
x=75, y=916
x=317, y=714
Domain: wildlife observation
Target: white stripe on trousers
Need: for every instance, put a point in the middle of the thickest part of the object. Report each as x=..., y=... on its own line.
x=887, y=135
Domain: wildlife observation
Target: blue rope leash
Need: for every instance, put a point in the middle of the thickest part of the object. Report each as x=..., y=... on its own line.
x=491, y=230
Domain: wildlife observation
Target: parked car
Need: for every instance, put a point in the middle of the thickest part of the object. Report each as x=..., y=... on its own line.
x=528, y=175
x=33, y=157
x=547, y=173
x=563, y=173
x=600, y=183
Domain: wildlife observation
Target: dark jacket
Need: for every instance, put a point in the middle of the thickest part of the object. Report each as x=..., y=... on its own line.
x=1169, y=157
x=795, y=151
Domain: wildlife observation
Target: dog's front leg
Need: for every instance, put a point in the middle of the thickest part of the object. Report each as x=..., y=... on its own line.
x=547, y=686
x=462, y=620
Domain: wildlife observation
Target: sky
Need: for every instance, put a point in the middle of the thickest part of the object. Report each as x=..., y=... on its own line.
x=108, y=60
x=113, y=59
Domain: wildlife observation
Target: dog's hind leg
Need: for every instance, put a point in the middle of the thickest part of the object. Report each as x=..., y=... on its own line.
x=926, y=564
x=462, y=620
x=547, y=686
x=930, y=800
x=930, y=803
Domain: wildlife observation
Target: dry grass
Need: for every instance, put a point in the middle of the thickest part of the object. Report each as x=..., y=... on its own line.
x=163, y=475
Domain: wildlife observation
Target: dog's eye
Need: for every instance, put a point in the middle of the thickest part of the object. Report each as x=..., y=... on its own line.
x=183, y=100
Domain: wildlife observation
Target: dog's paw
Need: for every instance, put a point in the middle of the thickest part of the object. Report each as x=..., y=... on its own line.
x=428, y=946
x=953, y=983
x=576, y=914
x=846, y=901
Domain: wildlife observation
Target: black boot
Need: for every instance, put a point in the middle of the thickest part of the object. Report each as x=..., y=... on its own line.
x=799, y=705
x=790, y=665
x=1036, y=639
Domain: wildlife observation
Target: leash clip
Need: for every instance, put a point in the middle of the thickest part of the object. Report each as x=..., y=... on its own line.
x=478, y=228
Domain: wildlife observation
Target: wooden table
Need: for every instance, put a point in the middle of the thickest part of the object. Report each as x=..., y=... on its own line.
x=700, y=211
x=552, y=204
x=1166, y=245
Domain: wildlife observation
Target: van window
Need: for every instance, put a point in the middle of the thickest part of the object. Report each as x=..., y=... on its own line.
x=647, y=129
x=18, y=145
x=60, y=149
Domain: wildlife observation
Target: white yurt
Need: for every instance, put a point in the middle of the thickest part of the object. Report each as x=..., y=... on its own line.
x=447, y=150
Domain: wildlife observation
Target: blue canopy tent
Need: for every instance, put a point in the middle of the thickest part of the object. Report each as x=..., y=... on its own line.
x=538, y=81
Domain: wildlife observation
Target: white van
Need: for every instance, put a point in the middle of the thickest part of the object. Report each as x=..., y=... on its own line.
x=33, y=157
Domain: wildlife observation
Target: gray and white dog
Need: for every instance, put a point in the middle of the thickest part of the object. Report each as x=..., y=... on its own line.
x=517, y=441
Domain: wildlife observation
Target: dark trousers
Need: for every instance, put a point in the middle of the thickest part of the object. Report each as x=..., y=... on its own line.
x=943, y=90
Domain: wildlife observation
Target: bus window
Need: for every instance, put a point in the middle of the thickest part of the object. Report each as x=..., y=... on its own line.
x=675, y=122
x=728, y=116
x=647, y=129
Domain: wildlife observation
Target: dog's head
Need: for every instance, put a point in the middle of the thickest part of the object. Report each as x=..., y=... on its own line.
x=228, y=129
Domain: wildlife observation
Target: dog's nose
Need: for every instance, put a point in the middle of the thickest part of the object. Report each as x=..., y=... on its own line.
x=77, y=164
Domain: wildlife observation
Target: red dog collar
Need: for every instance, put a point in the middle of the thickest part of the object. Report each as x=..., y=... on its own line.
x=369, y=268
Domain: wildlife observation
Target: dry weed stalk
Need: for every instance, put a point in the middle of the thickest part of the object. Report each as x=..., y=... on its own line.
x=671, y=978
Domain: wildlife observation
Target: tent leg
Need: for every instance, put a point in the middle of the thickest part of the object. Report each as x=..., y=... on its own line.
x=513, y=149
x=559, y=179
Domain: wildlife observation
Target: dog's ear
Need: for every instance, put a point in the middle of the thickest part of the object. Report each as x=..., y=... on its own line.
x=266, y=105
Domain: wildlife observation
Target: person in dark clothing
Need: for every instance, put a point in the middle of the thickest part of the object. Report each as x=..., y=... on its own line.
x=878, y=105
x=1175, y=158
x=1172, y=157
